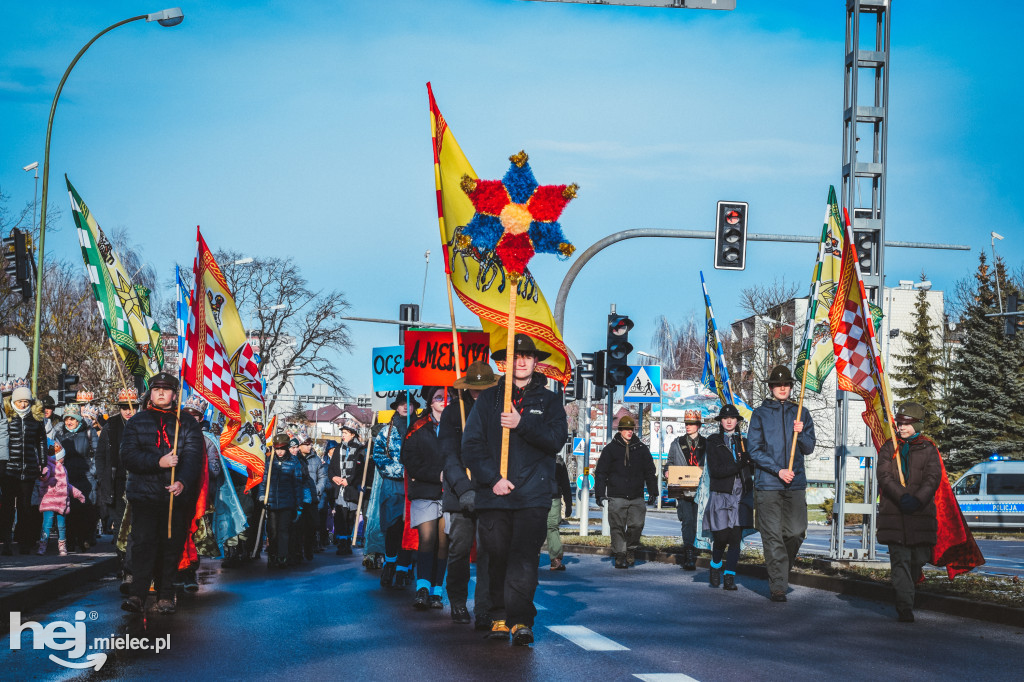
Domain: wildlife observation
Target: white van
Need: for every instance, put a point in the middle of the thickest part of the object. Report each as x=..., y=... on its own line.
x=991, y=494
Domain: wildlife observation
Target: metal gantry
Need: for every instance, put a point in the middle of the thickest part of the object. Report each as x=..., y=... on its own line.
x=863, y=123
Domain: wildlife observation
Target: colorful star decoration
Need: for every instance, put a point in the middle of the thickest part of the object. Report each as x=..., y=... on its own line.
x=515, y=217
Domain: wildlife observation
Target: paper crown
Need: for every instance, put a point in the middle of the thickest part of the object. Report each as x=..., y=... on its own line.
x=7, y=387
x=194, y=403
x=127, y=395
x=84, y=396
x=692, y=417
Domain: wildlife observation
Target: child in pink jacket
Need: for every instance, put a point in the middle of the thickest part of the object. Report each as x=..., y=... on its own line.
x=54, y=494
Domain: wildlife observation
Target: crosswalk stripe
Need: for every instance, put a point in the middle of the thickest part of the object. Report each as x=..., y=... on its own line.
x=585, y=638
x=664, y=677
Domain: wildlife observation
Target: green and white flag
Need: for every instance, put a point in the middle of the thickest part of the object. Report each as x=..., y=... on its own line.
x=817, y=342
x=124, y=306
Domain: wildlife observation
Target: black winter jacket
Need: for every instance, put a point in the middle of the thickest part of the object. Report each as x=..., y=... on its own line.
x=26, y=442
x=147, y=437
x=449, y=435
x=288, y=489
x=533, y=445
x=723, y=468
x=110, y=472
x=563, y=488
x=348, y=462
x=614, y=476
x=80, y=460
x=423, y=459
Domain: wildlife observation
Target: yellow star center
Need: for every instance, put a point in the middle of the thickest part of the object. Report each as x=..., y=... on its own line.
x=515, y=218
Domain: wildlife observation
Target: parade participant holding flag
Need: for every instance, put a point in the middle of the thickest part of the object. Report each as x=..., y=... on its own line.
x=513, y=508
x=282, y=491
x=346, y=472
x=149, y=450
x=906, y=508
x=780, y=488
x=387, y=456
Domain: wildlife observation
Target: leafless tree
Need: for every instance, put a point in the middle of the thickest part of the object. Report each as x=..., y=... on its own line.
x=680, y=347
x=294, y=329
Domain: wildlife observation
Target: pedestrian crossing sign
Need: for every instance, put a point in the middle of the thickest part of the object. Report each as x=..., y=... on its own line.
x=579, y=446
x=643, y=385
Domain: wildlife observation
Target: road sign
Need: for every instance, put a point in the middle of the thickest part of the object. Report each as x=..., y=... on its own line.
x=590, y=481
x=579, y=446
x=643, y=385
x=14, y=358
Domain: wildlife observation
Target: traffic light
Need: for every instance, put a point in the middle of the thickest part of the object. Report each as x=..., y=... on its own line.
x=571, y=389
x=731, y=235
x=618, y=349
x=407, y=312
x=1011, y=320
x=64, y=383
x=592, y=368
x=18, y=262
x=867, y=246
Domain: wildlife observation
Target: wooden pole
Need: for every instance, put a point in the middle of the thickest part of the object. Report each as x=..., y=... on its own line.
x=177, y=427
x=263, y=512
x=510, y=364
x=455, y=342
x=895, y=445
x=362, y=484
x=117, y=363
x=799, y=409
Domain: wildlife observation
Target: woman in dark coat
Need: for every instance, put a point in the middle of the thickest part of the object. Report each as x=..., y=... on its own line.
x=79, y=443
x=424, y=463
x=22, y=460
x=906, y=508
x=730, y=507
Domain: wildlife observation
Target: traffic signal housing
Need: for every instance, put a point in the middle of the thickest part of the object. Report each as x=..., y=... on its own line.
x=618, y=348
x=18, y=262
x=64, y=383
x=592, y=368
x=1011, y=320
x=866, y=243
x=407, y=312
x=731, y=235
x=574, y=387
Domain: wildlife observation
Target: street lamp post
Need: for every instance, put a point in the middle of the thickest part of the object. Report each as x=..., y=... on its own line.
x=167, y=17
x=995, y=270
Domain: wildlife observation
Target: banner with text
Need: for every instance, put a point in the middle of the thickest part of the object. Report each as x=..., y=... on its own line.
x=430, y=355
x=389, y=369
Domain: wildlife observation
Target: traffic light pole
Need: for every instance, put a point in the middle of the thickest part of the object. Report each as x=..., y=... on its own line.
x=615, y=237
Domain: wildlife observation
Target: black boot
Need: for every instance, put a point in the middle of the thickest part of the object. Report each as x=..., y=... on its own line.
x=690, y=559
x=715, y=577
x=387, y=575
x=729, y=582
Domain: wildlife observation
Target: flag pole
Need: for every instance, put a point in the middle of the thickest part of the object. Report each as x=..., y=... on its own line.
x=177, y=426
x=510, y=364
x=362, y=484
x=117, y=362
x=444, y=247
x=266, y=496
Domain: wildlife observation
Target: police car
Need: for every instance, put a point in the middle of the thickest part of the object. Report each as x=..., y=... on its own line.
x=991, y=494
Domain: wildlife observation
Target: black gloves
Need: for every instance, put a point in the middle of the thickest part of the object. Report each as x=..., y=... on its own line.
x=909, y=504
x=467, y=501
x=600, y=500
x=652, y=500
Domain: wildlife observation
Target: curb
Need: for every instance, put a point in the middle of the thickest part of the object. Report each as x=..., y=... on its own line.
x=33, y=593
x=955, y=606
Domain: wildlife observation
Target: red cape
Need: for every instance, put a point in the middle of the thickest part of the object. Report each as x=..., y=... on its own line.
x=955, y=547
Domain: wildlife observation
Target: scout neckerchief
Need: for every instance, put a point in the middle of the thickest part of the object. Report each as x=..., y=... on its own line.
x=730, y=439
x=691, y=455
x=905, y=455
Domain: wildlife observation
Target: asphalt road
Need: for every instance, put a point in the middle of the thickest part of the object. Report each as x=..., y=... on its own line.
x=331, y=620
x=1002, y=557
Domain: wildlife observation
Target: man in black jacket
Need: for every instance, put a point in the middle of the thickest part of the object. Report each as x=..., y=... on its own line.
x=622, y=470
x=345, y=470
x=513, y=506
x=688, y=450
x=149, y=451
x=460, y=501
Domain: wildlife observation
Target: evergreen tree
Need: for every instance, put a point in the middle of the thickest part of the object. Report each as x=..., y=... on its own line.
x=919, y=370
x=985, y=405
x=298, y=414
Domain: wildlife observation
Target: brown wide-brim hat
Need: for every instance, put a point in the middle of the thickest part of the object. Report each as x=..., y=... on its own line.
x=910, y=413
x=522, y=345
x=780, y=376
x=478, y=376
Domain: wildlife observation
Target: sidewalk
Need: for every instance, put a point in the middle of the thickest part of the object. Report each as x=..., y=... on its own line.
x=29, y=580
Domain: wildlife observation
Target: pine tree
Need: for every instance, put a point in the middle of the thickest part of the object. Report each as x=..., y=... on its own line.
x=919, y=370
x=985, y=405
x=298, y=414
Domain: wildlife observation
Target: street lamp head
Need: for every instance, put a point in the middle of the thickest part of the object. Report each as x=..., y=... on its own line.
x=924, y=285
x=167, y=17
x=243, y=261
x=996, y=235
x=31, y=166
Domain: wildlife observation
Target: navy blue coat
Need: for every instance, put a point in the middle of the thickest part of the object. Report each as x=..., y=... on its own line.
x=770, y=437
x=288, y=489
x=533, y=446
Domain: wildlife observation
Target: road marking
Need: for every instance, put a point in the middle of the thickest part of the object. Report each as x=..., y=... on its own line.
x=664, y=677
x=585, y=638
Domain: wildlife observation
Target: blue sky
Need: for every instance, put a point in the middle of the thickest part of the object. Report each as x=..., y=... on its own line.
x=301, y=128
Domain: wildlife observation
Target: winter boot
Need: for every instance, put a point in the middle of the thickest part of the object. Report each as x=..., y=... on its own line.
x=729, y=583
x=631, y=557
x=387, y=575
x=690, y=559
x=620, y=561
x=715, y=576
x=62, y=547
x=422, y=600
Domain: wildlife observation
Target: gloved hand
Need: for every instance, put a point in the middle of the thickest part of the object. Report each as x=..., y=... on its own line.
x=652, y=500
x=467, y=501
x=909, y=504
x=600, y=501
x=298, y=513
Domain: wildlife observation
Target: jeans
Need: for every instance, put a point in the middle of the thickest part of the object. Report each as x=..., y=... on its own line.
x=460, y=543
x=554, y=539
x=154, y=555
x=782, y=522
x=512, y=539
x=48, y=523
x=686, y=512
x=626, y=522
